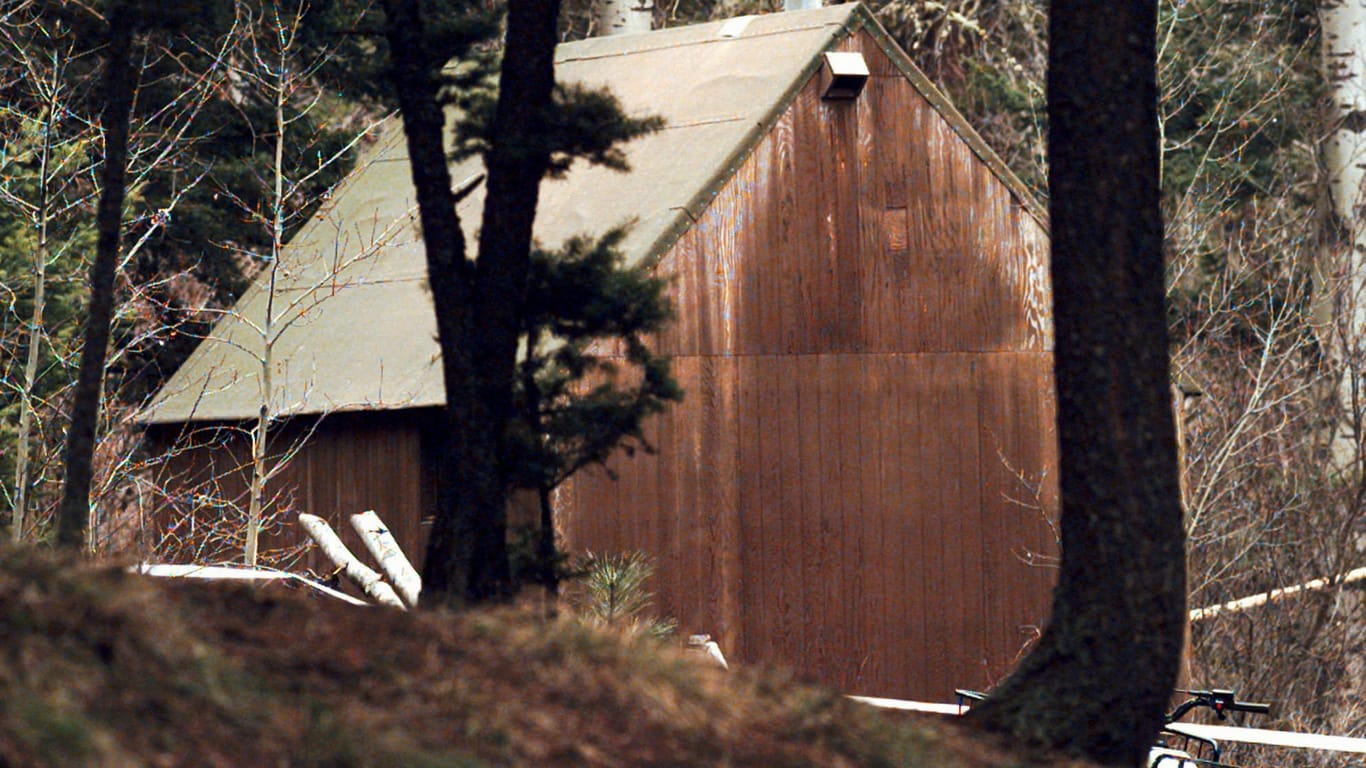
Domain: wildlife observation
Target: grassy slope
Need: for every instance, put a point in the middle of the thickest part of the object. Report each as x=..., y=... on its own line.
x=101, y=668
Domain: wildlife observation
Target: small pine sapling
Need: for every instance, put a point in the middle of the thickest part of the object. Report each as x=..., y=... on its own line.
x=588, y=379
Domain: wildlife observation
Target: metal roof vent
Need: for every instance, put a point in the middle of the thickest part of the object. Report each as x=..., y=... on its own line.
x=845, y=73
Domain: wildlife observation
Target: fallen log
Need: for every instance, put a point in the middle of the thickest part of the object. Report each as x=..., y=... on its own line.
x=386, y=551
x=362, y=575
x=1256, y=601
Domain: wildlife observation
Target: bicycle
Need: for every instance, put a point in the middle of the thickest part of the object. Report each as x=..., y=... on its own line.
x=1196, y=751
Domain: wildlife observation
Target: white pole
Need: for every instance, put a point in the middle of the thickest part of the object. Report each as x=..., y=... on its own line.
x=1254, y=601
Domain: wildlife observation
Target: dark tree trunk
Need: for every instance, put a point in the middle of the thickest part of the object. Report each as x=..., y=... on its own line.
x=516, y=162
x=1102, y=673
x=450, y=275
x=73, y=514
x=478, y=305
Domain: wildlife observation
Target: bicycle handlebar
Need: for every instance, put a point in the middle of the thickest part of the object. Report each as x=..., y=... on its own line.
x=1255, y=707
x=1221, y=701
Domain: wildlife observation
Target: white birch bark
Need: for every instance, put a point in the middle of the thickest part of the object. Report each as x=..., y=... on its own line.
x=1343, y=264
x=386, y=551
x=625, y=17
x=261, y=430
x=1342, y=273
x=359, y=573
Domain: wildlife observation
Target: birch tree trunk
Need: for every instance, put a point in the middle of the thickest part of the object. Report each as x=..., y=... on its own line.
x=382, y=546
x=625, y=17
x=1342, y=271
x=1342, y=312
x=261, y=430
x=24, y=439
x=360, y=574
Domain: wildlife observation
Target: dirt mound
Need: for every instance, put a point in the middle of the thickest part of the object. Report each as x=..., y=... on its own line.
x=102, y=668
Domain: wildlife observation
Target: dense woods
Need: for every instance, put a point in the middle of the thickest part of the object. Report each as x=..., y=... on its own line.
x=201, y=214
x=245, y=113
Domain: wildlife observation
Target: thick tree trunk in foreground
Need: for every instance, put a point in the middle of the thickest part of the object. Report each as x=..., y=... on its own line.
x=1101, y=675
x=73, y=516
x=478, y=304
x=465, y=490
x=516, y=164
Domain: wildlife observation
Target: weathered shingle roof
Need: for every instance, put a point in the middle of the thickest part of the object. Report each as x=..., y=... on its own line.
x=360, y=329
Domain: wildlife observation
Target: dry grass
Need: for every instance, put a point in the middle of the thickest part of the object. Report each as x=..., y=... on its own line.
x=101, y=668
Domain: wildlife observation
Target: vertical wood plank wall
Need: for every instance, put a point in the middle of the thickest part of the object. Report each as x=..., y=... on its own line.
x=866, y=456
x=347, y=463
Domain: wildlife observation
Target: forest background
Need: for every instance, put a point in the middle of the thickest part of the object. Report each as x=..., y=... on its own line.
x=243, y=123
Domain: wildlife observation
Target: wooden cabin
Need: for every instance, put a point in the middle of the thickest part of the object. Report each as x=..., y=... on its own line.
x=860, y=481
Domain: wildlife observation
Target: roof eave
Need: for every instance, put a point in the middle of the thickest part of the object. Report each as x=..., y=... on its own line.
x=860, y=18
x=864, y=19
x=688, y=215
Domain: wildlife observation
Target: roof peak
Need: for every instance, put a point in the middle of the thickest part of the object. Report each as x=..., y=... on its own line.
x=721, y=85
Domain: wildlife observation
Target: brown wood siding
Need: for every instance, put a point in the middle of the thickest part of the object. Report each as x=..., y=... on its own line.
x=866, y=455
x=972, y=253
x=347, y=463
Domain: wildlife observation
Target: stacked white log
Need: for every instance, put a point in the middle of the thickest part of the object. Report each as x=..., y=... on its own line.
x=382, y=546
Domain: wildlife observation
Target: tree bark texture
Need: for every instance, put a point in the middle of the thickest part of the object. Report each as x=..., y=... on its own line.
x=516, y=163
x=22, y=478
x=1341, y=286
x=625, y=17
x=384, y=548
x=1099, y=679
x=260, y=431
x=73, y=515
x=1341, y=299
x=478, y=303
x=463, y=476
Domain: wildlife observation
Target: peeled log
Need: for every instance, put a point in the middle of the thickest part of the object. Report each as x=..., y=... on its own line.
x=386, y=551
x=359, y=573
x=1256, y=601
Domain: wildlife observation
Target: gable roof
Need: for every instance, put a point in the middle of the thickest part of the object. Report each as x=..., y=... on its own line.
x=356, y=330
